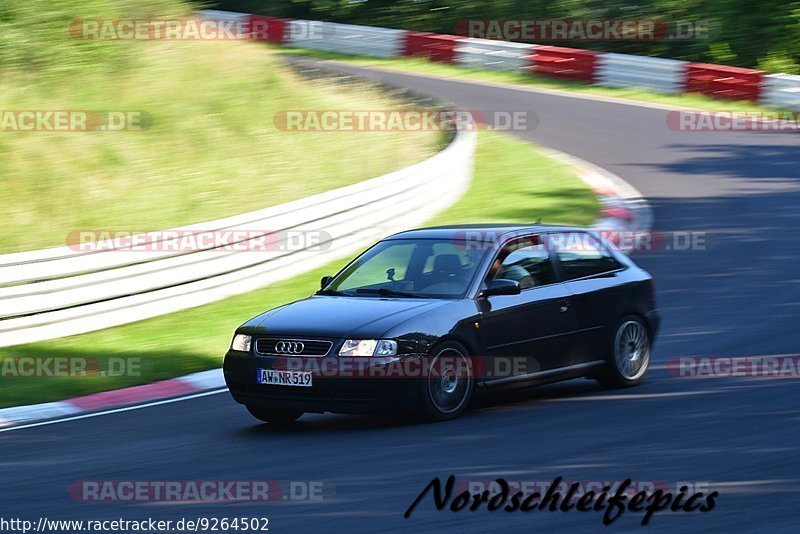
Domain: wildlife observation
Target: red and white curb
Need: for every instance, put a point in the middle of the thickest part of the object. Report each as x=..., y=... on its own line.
x=623, y=209
x=164, y=389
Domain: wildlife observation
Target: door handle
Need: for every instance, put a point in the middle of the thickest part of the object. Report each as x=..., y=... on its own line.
x=563, y=305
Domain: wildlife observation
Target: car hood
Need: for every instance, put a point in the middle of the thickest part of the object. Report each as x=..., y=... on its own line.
x=339, y=317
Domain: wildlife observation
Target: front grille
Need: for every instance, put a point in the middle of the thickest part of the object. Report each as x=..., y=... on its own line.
x=292, y=347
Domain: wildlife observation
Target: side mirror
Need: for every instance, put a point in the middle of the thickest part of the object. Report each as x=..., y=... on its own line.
x=325, y=281
x=501, y=286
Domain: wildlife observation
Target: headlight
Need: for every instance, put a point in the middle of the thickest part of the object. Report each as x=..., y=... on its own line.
x=368, y=347
x=241, y=343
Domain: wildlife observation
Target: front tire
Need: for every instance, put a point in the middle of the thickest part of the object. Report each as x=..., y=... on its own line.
x=629, y=355
x=276, y=417
x=447, y=390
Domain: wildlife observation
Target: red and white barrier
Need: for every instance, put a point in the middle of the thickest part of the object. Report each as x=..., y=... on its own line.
x=567, y=63
x=724, y=82
x=610, y=70
x=268, y=29
x=780, y=91
x=434, y=46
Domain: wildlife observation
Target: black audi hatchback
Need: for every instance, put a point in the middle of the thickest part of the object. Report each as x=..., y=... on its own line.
x=423, y=318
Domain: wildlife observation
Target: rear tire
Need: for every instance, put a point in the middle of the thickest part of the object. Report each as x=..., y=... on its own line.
x=445, y=393
x=276, y=417
x=628, y=356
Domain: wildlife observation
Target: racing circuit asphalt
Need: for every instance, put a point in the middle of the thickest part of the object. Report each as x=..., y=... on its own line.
x=742, y=436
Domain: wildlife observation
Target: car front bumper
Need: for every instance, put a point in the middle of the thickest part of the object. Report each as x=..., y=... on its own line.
x=371, y=385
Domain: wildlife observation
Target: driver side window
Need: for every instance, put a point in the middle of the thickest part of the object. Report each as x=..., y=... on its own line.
x=527, y=262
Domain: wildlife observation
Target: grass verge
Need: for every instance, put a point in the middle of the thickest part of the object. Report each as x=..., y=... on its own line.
x=521, y=188
x=212, y=149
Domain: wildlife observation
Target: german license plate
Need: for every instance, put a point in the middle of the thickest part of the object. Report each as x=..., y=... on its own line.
x=301, y=379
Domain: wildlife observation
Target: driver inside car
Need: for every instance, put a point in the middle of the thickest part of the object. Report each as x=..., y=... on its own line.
x=511, y=271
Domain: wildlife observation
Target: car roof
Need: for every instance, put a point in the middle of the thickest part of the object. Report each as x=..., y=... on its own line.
x=497, y=230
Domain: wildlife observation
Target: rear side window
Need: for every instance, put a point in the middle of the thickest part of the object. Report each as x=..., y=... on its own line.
x=581, y=254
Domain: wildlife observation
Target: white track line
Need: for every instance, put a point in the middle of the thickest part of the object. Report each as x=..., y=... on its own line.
x=115, y=410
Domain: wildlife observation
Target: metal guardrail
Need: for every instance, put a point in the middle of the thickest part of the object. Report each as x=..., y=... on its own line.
x=60, y=291
x=782, y=91
x=493, y=55
x=346, y=38
x=240, y=20
x=654, y=74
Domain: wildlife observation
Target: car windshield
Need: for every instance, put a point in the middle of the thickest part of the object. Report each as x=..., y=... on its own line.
x=411, y=268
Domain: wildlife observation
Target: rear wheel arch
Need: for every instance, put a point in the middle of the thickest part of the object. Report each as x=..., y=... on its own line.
x=630, y=311
x=611, y=375
x=642, y=317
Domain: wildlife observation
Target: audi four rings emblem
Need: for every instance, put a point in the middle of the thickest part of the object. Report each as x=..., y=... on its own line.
x=289, y=347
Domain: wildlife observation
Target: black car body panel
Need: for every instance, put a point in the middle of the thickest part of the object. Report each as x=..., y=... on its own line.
x=559, y=330
x=333, y=316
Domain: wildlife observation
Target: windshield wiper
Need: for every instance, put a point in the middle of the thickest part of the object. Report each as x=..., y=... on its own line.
x=387, y=292
x=333, y=293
